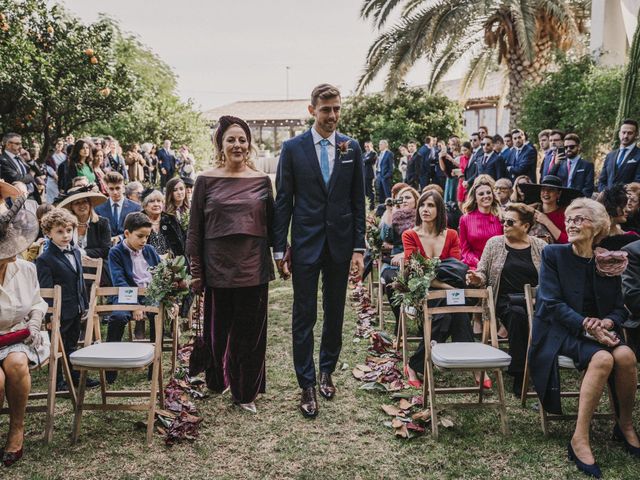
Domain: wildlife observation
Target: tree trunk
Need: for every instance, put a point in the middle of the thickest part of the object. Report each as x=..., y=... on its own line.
x=629, y=83
x=522, y=73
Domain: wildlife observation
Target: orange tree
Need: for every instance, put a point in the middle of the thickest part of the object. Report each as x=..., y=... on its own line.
x=57, y=74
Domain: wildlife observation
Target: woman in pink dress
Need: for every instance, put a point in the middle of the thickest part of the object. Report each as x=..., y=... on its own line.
x=464, y=161
x=480, y=221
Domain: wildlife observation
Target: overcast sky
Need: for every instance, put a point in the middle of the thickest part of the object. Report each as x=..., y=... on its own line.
x=228, y=50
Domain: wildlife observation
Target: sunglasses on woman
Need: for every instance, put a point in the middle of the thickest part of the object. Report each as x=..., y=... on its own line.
x=509, y=222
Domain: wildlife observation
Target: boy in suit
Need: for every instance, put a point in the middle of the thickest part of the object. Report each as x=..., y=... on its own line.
x=118, y=207
x=129, y=264
x=60, y=264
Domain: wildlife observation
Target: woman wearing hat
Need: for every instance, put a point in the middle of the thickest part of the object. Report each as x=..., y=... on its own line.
x=228, y=243
x=550, y=199
x=22, y=310
x=93, y=235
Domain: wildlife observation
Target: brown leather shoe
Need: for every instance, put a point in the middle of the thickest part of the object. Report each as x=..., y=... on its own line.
x=327, y=389
x=308, y=402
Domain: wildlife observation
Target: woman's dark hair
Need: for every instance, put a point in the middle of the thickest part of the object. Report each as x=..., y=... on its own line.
x=467, y=145
x=525, y=213
x=614, y=199
x=441, y=211
x=135, y=221
x=74, y=158
x=169, y=205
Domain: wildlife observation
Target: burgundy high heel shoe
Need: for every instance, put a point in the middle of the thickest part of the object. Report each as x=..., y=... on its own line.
x=9, y=458
x=412, y=383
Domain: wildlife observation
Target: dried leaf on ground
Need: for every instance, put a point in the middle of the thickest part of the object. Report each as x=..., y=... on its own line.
x=396, y=423
x=423, y=415
x=446, y=422
x=392, y=410
x=373, y=386
x=415, y=427
x=405, y=404
x=357, y=373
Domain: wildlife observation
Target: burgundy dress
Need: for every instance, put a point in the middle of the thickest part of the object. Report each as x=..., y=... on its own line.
x=229, y=244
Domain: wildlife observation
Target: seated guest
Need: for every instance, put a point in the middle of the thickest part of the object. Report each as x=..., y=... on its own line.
x=431, y=238
x=508, y=263
x=60, y=264
x=518, y=195
x=176, y=201
x=549, y=198
x=22, y=312
x=93, y=235
x=615, y=201
x=167, y=237
x=118, y=207
x=133, y=191
x=503, y=191
x=394, y=222
x=579, y=314
x=631, y=290
x=480, y=221
x=382, y=208
x=129, y=264
x=631, y=210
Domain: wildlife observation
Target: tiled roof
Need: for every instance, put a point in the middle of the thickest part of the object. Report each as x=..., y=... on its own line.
x=262, y=110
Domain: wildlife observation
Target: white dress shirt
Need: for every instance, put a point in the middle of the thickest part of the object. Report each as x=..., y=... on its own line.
x=331, y=147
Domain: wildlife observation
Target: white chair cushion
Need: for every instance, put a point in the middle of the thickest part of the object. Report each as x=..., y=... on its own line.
x=566, y=362
x=469, y=355
x=114, y=355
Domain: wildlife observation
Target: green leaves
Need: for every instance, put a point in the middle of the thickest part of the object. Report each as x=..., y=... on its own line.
x=413, y=286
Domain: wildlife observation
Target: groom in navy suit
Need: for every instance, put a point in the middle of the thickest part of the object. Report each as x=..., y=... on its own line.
x=320, y=191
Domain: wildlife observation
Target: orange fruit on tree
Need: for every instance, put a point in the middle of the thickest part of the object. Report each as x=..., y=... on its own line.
x=89, y=52
x=93, y=60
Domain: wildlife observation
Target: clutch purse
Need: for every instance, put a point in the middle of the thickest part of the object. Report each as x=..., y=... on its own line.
x=14, y=337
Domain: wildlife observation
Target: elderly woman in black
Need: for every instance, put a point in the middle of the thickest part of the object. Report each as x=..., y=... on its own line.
x=167, y=235
x=508, y=263
x=579, y=313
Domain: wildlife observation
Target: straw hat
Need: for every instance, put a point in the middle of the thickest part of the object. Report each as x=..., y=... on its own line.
x=7, y=190
x=18, y=229
x=78, y=193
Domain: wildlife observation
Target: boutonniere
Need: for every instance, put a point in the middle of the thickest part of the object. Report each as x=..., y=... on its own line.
x=344, y=148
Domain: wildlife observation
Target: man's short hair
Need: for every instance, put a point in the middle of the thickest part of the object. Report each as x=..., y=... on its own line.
x=135, y=221
x=630, y=121
x=324, y=91
x=507, y=135
x=557, y=132
x=574, y=137
x=9, y=136
x=504, y=183
x=544, y=133
x=498, y=138
x=518, y=131
x=476, y=134
x=131, y=187
x=57, y=217
x=113, y=178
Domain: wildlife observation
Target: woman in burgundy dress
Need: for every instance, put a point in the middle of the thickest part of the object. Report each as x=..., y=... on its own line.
x=228, y=244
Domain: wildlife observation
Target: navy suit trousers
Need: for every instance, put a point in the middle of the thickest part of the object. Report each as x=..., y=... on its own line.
x=305, y=310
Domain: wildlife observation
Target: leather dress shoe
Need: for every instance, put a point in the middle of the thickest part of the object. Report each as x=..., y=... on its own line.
x=327, y=389
x=308, y=402
x=9, y=458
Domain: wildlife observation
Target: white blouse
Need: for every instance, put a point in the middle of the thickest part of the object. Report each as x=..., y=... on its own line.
x=20, y=300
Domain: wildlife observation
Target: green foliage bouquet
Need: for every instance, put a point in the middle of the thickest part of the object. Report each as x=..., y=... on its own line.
x=413, y=286
x=374, y=239
x=169, y=283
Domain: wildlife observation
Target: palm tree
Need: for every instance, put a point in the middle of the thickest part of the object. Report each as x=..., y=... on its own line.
x=518, y=34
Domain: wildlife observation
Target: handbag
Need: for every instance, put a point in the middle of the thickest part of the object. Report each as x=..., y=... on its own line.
x=201, y=355
x=453, y=272
x=517, y=300
x=14, y=337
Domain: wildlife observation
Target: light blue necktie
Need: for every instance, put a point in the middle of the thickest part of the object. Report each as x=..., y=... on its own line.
x=623, y=152
x=324, y=159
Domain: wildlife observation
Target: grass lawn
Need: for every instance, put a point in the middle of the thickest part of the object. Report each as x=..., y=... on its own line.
x=347, y=440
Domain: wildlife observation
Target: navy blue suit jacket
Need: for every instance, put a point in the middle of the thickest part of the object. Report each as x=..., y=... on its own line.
x=544, y=168
x=471, y=170
x=582, y=178
x=167, y=161
x=494, y=167
x=628, y=172
x=55, y=269
x=385, y=166
x=121, y=266
x=558, y=315
x=369, y=160
x=523, y=164
x=104, y=210
x=423, y=155
x=321, y=215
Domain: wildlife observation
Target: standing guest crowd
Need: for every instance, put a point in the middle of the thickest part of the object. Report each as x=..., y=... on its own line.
x=496, y=210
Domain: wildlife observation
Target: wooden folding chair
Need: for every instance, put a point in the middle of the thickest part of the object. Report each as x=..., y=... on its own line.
x=563, y=362
x=461, y=356
x=132, y=356
x=169, y=344
x=92, y=275
x=56, y=355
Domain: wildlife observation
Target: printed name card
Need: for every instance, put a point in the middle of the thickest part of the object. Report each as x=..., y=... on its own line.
x=455, y=297
x=128, y=295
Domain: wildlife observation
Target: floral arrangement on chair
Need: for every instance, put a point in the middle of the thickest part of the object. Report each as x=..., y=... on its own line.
x=373, y=237
x=169, y=283
x=412, y=286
